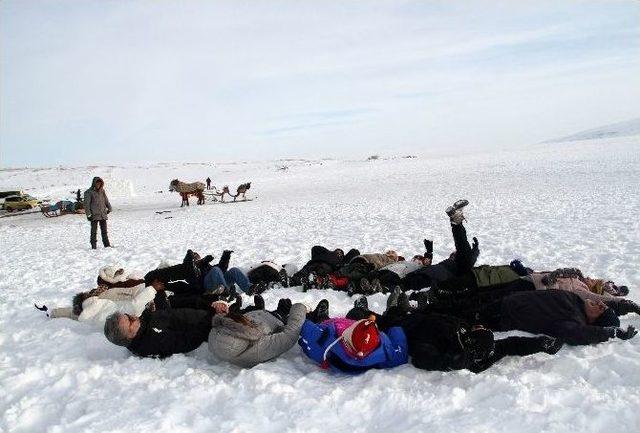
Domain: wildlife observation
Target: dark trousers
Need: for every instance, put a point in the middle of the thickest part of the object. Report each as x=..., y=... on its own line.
x=103, y=233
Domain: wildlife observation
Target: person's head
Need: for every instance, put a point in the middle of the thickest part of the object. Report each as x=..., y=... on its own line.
x=157, y=284
x=339, y=252
x=120, y=328
x=97, y=183
x=392, y=255
x=362, y=337
x=479, y=343
x=599, y=314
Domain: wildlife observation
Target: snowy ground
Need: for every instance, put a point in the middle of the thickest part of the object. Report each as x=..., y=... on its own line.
x=574, y=204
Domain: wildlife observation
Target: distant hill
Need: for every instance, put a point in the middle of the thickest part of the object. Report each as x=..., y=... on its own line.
x=627, y=128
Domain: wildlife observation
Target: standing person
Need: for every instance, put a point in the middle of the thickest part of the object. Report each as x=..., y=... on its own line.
x=208, y=183
x=96, y=207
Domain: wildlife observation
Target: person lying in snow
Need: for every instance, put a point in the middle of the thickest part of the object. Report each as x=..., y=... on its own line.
x=244, y=337
x=323, y=261
x=444, y=342
x=351, y=346
x=267, y=273
x=162, y=333
x=117, y=293
x=558, y=313
x=196, y=275
x=372, y=273
x=258, y=336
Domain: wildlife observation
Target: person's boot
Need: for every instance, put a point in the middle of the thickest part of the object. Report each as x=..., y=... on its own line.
x=192, y=272
x=284, y=278
x=321, y=312
x=456, y=216
x=392, y=300
x=376, y=287
x=237, y=305
x=361, y=303
x=403, y=303
x=365, y=287
x=284, y=307
x=258, y=302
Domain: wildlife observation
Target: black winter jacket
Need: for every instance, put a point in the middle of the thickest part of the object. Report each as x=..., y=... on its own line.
x=165, y=332
x=558, y=313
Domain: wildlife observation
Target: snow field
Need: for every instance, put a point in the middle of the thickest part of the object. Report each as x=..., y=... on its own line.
x=573, y=204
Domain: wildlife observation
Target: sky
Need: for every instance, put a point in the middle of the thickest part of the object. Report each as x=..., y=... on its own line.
x=103, y=81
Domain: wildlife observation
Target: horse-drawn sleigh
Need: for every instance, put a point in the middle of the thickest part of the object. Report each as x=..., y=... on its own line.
x=198, y=189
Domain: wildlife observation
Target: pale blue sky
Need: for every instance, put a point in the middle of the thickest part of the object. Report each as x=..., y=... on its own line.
x=100, y=81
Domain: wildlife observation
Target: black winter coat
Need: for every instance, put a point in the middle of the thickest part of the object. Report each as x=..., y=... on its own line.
x=165, y=332
x=558, y=313
x=435, y=341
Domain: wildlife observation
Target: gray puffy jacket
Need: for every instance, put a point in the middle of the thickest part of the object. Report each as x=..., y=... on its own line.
x=247, y=346
x=96, y=203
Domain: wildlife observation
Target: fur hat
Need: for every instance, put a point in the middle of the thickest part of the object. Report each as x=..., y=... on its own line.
x=607, y=318
x=112, y=274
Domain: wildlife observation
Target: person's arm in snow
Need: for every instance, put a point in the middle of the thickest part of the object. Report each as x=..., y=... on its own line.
x=94, y=307
x=313, y=340
x=141, y=298
x=271, y=346
x=223, y=264
x=398, y=349
x=576, y=335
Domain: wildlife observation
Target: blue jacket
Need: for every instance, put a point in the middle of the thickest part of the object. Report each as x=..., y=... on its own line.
x=315, y=338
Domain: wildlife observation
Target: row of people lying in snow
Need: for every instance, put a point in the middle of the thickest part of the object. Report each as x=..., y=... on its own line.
x=451, y=328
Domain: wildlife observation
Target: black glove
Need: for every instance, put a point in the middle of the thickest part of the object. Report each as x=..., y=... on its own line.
x=550, y=345
x=428, y=245
x=88, y=217
x=476, y=244
x=227, y=252
x=624, y=334
x=207, y=259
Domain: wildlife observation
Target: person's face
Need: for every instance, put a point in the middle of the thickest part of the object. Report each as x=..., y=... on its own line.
x=594, y=309
x=157, y=284
x=129, y=325
x=99, y=184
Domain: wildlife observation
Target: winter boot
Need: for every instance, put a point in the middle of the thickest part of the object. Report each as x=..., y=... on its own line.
x=376, y=287
x=258, y=302
x=284, y=307
x=365, y=287
x=192, y=272
x=403, y=302
x=455, y=212
x=392, y=300
x=321, y=313
x=361, y=303
x=284, y=278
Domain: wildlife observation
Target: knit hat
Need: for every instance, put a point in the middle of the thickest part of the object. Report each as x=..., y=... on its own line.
x=392, y=255
x=607, y=318
x=362, y=337
x=359, y=339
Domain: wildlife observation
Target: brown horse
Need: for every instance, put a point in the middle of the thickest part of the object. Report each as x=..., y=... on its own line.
x=187, y=189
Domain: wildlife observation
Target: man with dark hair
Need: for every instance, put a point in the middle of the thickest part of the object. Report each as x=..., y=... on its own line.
x=96, y=207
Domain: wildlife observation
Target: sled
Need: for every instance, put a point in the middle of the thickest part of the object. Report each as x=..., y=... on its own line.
x=63, y=207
